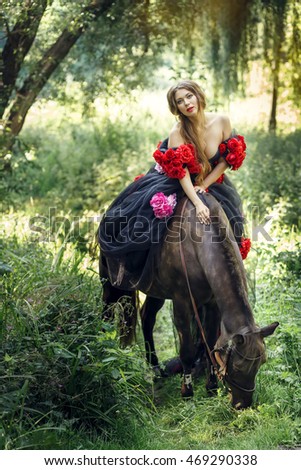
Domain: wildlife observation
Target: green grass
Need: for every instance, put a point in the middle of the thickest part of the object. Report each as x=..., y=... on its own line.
x=65, y=383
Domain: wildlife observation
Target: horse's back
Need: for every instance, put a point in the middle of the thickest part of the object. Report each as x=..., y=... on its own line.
x=202, y=247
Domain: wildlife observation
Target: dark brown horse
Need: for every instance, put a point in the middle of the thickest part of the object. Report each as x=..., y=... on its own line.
x=212, y=293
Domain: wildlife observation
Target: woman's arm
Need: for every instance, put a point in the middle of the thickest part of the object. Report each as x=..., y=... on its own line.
x=202, y=211
x=175, y=140
x=218, y=170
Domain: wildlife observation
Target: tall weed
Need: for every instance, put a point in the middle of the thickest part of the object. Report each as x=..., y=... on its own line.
x=61, y=367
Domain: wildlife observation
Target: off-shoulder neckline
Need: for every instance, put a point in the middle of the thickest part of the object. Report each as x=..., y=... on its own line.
x=215, y=156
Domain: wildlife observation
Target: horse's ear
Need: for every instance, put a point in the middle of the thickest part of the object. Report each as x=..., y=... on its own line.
x=268, y=330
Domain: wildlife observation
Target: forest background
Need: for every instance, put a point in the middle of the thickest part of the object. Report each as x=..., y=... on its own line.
x=82, y=107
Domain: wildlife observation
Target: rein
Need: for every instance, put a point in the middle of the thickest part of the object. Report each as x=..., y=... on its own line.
x=195, y=310
x=215, y=364
x=219, y=367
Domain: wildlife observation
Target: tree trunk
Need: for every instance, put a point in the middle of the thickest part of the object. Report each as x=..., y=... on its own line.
x=18, y=43
x=273, y=120
x=278, y=40
x=12, y=123
x=33, y=85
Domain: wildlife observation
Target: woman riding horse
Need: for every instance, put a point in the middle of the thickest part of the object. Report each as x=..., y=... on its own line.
x=151, y=239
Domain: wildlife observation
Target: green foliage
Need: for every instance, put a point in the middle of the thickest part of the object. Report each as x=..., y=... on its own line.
x=66, y=163
x=61, y=367
x=65, y=383
x=272, y=174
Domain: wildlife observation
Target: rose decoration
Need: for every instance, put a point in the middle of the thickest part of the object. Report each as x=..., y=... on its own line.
x=163, y=206
x=233, y=150
x=245, y=246
x=138, y=177
x=173, y=161
x=220, y=180
x=159, y=169
x=222, y=148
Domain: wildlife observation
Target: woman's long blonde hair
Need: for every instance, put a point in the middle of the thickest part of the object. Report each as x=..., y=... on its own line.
x=189, y=131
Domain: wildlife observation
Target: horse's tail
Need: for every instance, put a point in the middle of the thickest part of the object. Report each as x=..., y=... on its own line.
x=120, y=305
x=128, y=318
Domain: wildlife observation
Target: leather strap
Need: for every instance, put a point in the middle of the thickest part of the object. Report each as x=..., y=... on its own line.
x=195, y=310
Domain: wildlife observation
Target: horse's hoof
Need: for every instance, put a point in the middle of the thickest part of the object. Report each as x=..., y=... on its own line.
x=211, y=388
x=186, y=392
x=186, y=389
x=212, y=392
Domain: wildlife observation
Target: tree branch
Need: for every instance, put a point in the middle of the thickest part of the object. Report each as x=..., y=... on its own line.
x=19, y=41
x=49, y=62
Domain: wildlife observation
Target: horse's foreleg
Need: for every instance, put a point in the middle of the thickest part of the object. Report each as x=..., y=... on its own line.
x=182, y=321
x=149, y=312
x=212, y=329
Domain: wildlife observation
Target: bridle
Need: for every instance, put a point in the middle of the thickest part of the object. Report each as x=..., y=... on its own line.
x=218, y=366
x=222, y=372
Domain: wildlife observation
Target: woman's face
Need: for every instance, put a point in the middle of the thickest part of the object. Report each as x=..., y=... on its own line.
x=187, y=102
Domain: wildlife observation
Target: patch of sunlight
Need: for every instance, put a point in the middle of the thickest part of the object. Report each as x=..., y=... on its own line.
x=254, y=110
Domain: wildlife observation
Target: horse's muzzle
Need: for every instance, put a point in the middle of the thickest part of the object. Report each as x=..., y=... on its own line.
x=241, y=401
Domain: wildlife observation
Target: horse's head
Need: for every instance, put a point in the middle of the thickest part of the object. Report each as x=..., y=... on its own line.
x=239, y=360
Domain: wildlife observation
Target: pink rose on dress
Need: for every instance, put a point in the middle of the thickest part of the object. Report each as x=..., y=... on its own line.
x=159, y=168
x=163, y=206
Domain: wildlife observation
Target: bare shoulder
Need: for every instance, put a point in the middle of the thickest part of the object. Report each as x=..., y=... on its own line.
x=225, y=125
x=175, y=138
x=218, y=124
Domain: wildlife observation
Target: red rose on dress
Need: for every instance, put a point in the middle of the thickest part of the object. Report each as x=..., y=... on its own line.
x=245, y=246
x=236, y=147
x=233, y=145
x=172, y=161
x=222, y=148
x=238, y=161
x=169, y=155
x=220, y=180
x=179, y=173
x=138, y=177
x=184, y=153
x=158, y=156
x=242, y=141
x=194, y=167
x=231, y=158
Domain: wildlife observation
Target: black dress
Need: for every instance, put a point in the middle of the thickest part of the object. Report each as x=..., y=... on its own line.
x=130, y=234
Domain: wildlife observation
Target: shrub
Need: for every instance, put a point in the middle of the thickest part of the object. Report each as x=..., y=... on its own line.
x=61, y=367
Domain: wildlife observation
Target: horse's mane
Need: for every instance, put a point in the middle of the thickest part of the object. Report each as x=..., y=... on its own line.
x=223, y=234
x=223, y=228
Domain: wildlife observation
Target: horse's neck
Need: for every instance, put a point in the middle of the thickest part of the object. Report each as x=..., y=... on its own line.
x=221, y=267
x=226, y=276
x=236, y=313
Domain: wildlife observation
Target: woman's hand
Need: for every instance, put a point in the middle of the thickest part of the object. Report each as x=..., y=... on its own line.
x=201, y=210
x=200, y=189
x=202, y=213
